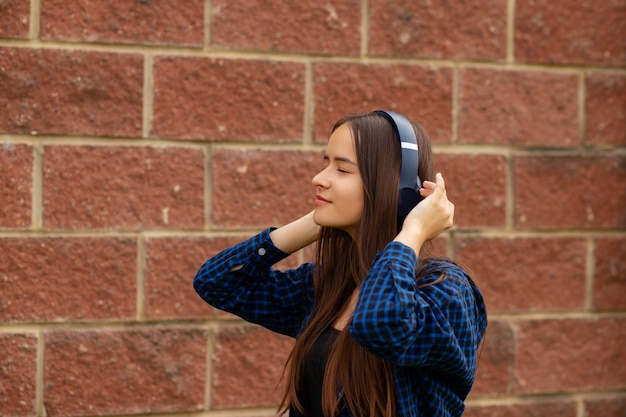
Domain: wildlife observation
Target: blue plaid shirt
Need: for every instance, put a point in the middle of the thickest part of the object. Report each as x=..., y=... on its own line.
x=430, y=334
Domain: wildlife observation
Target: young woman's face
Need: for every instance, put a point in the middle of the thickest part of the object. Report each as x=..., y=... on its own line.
x=339, y=187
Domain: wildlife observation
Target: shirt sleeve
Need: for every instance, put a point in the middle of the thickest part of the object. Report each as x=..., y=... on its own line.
x=436, y=326
x=254, y=291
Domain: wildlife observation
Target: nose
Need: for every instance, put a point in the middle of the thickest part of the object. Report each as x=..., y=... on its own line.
x=320, y=179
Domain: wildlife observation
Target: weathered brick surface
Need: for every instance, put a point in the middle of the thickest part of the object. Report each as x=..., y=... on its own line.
x=14, y=18
x=605, y=407
x=90, y=187
x=565, y=32
x=171, y=265
x=518, y=108
x=423, y=94
x=53, y=279
x=70, y=92
x=527, y=274
x=609, y=282
x=131, y=371
x=259, y=189
x=495, y=360
x=570, y=355
x=442, y=29
x=220, y=99
x=16, y=182
x=437, y=247
x=526, y=409
x=558, y=191
x=605, y=109
x=120, y=21
x=18, y=372
x=306, y=26
x=248, y=362
x=476, y=184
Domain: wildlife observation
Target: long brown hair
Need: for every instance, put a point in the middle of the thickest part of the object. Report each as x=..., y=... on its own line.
x=365, y=381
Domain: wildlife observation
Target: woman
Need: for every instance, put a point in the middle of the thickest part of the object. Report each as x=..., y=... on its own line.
x=381, y=329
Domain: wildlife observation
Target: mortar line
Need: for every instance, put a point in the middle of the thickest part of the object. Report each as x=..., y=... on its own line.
x=510, y=32
x=582, y=97
x=148, y=95
x=309, y=106
x=456, y=85
x=208, y=8
x=141, y=270
x=580, y=407
x=589, y=274
x=208, y=185
x=208, y=376
x=40, y=409
x=34, y=25
x=509, y=201
x=365, y=28
x=37, y=188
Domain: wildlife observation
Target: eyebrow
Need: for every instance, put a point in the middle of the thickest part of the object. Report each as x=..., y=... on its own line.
x=340, y=159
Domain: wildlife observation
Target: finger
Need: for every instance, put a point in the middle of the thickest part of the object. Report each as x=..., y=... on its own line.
x=429, y=185
x=440, y=181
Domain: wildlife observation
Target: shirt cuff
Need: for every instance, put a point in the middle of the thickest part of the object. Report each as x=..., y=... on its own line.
x=264, y=251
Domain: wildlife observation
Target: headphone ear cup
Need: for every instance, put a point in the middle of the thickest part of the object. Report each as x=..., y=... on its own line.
x=407, y=199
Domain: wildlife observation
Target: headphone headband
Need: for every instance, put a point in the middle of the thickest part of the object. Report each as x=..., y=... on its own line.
x=410, y=182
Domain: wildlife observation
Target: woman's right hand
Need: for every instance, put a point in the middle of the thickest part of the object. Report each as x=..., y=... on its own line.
x=296, y=235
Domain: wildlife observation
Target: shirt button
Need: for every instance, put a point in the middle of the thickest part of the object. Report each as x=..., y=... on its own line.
x=261, y=251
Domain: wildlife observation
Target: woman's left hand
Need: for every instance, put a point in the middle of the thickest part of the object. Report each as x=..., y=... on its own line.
x=430, y=217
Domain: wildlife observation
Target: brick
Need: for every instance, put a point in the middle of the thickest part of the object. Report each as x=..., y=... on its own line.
x=532, y=409
x=171, y=265
x=118, y=21
x=476, y=184
x=248, y=362
x=444, y=29
x=130, y=371
x=495, y=360
x=14, y=18
x=254, y=188
x=423, y=94
x=565, y=32
x=518, y=108
x=218, y=99
x=556, y=191
x=18, y=373
x=560, y=356
x=437, y=247
x=605, y=407
x=123, y=187
x=67, y=278
x=508, y=270
x=605, y=109
x=305, y=26
x=51, y=91
x=609, y=281
x=16, y=182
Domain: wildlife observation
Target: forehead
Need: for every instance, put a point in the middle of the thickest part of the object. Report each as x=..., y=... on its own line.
x=341, y=143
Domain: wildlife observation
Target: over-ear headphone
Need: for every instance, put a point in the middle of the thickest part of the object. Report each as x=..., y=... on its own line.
x=410, y=182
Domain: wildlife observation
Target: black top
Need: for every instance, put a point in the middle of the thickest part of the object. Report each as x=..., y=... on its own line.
x=314, y=371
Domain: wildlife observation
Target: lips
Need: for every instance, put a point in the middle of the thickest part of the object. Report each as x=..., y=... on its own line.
x=320, y=200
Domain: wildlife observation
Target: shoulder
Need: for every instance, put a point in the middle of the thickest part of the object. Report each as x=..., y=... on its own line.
x=442, y=277
x=452, y=288
x=434, y=270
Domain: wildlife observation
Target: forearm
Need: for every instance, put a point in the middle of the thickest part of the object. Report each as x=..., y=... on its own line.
x=411, y=237
x=295, y=235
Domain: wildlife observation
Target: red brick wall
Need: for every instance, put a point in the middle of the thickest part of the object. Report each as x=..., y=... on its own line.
x=137, y=138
